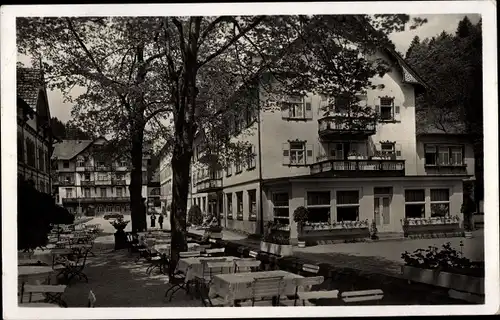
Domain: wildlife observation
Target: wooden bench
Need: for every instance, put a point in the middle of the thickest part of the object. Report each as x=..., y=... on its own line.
x=362, y=296
x=53, y=293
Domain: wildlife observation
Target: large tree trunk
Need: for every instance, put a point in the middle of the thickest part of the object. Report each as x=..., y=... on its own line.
x=136, y=201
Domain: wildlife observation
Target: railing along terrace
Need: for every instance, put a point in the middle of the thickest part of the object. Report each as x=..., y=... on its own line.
x=209, y=184
x=379, y=167
x=344, y=122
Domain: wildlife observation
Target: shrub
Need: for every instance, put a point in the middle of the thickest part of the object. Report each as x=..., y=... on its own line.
x=433, y=258
x=113, y=216
x=119, y=224
x=277, y=233
x=195, y=216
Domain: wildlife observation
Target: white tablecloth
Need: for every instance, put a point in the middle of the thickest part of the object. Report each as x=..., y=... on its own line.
x=241, y=282
x=192, y=267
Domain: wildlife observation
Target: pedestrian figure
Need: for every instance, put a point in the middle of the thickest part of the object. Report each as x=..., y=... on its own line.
x=153, y=220
x=160, y=221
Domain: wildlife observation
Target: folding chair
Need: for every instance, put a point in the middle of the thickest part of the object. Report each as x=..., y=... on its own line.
x=75, y=268
x=264, y=290
x=362, y=296
x=244, y=265
x=178, y=281
x=210, y=269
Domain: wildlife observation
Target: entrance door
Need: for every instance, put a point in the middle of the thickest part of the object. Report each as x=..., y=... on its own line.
x=382, y=213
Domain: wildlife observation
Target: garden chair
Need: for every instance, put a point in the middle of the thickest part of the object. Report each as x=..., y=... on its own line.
x=74, y=268
x=246, y=265
x=178, y=281
x=52, y=293
x=265, y=290
x=362, y=296
x=302, y=295
x=210, y=269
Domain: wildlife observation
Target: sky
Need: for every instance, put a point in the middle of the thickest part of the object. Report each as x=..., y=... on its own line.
x=436, y=24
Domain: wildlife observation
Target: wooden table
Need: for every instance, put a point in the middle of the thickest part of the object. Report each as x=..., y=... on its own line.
x=192, y=267
x=241, y=284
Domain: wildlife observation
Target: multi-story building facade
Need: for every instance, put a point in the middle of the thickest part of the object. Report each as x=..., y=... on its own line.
x=154, y=201
x=166, y=183
x=34, y=136
x=306, y=156
x=382, y=172
x=91, y=182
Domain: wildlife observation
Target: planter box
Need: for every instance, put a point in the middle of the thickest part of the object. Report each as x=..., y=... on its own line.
x=433, y=228
x=312, y=237
x=276, y=249
x=455, y=281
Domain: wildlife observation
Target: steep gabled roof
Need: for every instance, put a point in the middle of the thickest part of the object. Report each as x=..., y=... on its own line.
x=29, y=83
x=68, y=149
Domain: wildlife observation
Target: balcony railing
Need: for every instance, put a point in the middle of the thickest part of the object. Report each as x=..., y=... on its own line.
x=359, y=168
x=345, y=126
x=106, y=168
x=66, y=183
x=87, y=183
x=209, y=185
x=95, y=199
x=119, y=182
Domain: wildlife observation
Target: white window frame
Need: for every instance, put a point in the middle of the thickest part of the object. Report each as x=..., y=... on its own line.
x=335, y=155
x=252, y=204
x=101, y=193
x=348, y=205
x=414, y=202
x=287, y=206
x=69, y=192
x=239, y=205
x=102, y=176
x=449, y=149
x=391, y=151
x=329, y=205
x=229, y=205
x=391, y=107
x=440, y=202
x=296, y=152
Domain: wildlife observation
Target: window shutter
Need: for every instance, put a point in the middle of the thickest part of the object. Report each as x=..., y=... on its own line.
x=377, y=109
x=286, y=153
x=285, y=111
x=398, y=149
x=309, y=154
x=397, y=113
x=308, y=107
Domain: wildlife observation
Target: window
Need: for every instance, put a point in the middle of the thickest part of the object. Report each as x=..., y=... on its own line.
x=86, y=177
x=387, y=148
x=203, y=204
x=65, y=164
x=103, y=192
x=250, y=158
x=102, y=176
x=123, y=163
x=440, y=202
x=237, y=164
x=69, y=193
x=386, y=108
x=415, y=203
x=20, y=149
x=229, y=199
x=296, y=108
x=318, y=206
x=239, y=205
x=80, y=162
x=30, y=153
x=297, y=150
x=280, y=208
x=347, y=205
x=444, y=155
x=119, y=192
x=229, y=169
x=252, y=205
x=336, y=151
x=86, y=192
x=100, y=164
x=342, y=104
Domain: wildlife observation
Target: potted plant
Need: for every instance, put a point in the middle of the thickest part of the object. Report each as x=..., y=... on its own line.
x=276, y=240
x=120, y=237
x=447, y=268
x=373, y=231
x=300, y=217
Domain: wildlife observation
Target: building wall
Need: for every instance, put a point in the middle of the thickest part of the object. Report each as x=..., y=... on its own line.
x=298, y=194
x=245, y=224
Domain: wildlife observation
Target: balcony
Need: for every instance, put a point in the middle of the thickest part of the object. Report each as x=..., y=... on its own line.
x=209, y=185
x=95, y=199
x=103, y=168
x=205, y=155
x=119, y=182
x=66, y=183
x=358, y=168
x=340, y=127
x=87, y=183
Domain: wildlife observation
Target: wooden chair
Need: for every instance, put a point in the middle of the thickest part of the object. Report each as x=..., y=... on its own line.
x=52, y=293
x=210, y=269
x=303, y=293
x=264, y=290
x=178, y=280
x=246, y=265
x=362, y=296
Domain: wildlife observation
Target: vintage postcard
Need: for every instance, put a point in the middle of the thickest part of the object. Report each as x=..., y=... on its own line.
x=187, y=160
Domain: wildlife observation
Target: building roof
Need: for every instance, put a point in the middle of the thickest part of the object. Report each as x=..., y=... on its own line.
x=68, y=149
x=29, y=83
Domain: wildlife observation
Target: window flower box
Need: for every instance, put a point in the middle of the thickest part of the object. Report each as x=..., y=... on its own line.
x=431, y=225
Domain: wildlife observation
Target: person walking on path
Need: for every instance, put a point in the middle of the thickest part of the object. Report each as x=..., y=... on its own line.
x=160, y=221
x=153, y=220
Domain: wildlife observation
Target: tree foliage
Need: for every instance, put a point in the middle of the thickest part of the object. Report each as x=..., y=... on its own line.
x=173, y=77
x=68, y=131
